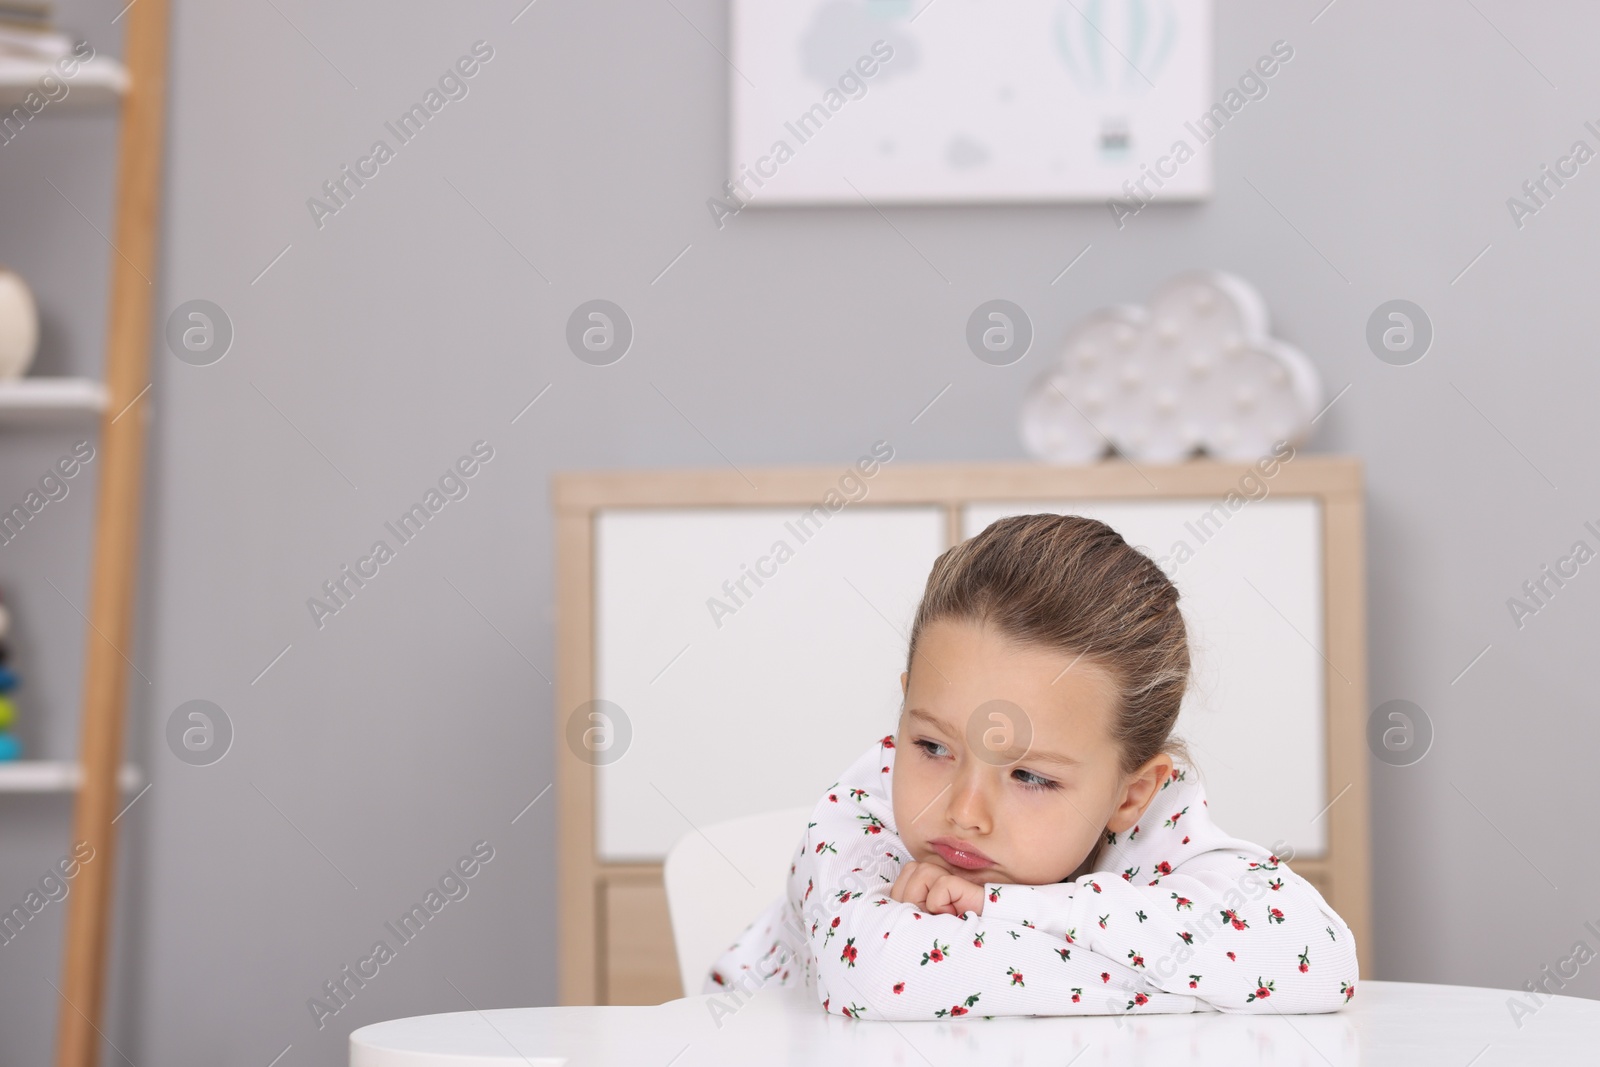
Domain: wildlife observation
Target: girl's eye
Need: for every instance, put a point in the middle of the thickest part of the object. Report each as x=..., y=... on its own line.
x=1029, y=780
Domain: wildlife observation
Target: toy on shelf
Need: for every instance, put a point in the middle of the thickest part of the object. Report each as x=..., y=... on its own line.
x=10, y=747
x=19, y=325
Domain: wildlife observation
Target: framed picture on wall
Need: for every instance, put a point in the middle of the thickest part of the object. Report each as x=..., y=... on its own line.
x=841, y=101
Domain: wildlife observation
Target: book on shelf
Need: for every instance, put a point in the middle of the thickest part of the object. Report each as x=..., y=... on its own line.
x=26, y=16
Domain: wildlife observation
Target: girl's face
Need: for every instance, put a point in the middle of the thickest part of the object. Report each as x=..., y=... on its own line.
x=1004, y=768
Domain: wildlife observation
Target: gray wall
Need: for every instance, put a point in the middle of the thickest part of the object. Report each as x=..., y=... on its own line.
x=416, y=721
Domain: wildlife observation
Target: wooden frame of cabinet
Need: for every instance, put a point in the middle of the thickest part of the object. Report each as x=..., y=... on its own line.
x=602, y=905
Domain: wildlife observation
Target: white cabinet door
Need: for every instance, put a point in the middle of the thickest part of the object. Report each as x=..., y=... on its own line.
x=754, y=652
x=1252, y=597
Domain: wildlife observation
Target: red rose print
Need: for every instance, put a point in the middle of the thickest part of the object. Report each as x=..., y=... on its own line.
x=1105, y=977
x=958, y=1009
x=899, y=987
x=1231, y=956
x=1163, y=867
x=888, y=741
x=1263, y=990
x=1186, y=839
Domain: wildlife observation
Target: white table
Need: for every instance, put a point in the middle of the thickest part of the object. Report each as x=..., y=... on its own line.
x=1387, y=1023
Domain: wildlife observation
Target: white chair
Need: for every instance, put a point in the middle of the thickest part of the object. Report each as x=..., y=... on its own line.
x=719, y=878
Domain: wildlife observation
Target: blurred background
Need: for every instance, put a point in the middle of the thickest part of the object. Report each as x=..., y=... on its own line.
x=372, y=345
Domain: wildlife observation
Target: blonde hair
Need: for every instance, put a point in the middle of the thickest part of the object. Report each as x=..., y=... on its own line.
x=1071, y=584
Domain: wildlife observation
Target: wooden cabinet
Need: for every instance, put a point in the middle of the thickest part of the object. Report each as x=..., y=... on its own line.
x=729, y=641
x=639, y=966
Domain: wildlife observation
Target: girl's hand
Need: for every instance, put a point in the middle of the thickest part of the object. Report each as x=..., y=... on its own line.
x=935, y=890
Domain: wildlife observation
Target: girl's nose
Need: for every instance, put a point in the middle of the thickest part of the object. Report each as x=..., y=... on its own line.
x=969, y=807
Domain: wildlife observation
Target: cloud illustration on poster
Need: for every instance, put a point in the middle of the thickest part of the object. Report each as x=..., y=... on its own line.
x=1196, y=371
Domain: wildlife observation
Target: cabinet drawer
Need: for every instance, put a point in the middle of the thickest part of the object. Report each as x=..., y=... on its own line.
x=639, y=963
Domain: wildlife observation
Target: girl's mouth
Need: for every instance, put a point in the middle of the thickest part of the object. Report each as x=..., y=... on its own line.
x=960, y=854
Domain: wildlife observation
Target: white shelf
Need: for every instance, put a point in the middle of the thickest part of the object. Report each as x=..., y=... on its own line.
x=55, y=776
x=32, y=401
x=100, y=80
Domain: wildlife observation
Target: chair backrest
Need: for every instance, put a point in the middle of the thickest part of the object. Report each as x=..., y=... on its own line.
x=720, y=877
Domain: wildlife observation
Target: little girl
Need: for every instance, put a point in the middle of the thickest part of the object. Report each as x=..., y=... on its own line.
x=1032, y=840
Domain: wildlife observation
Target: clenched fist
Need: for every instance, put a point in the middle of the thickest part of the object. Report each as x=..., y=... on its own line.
x=935, y=890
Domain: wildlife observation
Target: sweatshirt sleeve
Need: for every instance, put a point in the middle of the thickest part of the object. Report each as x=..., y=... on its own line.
x=1233, y=926
x=878, y=958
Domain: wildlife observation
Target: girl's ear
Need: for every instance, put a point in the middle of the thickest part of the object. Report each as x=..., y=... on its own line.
x=905, y=678
x=1138, y=790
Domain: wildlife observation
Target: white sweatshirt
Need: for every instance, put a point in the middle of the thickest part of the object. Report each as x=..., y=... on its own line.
x=1181, y=917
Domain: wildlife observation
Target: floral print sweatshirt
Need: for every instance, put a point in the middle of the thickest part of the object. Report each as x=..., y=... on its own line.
x=1181, y=917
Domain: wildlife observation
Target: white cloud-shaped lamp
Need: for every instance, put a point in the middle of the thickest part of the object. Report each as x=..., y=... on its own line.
x=1196, y=371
